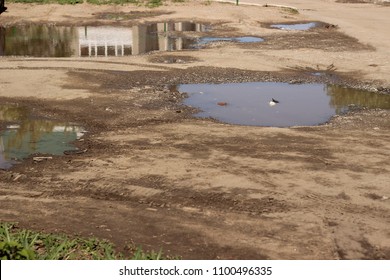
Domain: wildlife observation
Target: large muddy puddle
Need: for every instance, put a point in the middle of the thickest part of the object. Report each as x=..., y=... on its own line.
x=37, y=40
x=65, y=41
x=298, y=104
x=24, y=136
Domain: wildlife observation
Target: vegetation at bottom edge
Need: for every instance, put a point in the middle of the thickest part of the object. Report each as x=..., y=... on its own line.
x=22, y=244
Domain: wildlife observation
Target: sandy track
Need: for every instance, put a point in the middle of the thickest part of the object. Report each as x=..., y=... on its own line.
x=155, y=176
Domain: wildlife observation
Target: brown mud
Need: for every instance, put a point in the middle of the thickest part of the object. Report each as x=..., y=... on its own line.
x=152, y=174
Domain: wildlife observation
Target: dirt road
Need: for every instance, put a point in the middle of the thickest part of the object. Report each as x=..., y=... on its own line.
x=154, y=175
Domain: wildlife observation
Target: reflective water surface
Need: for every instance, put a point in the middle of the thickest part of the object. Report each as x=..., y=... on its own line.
x=296, y=26
x=248, y=39
x=64, y=41
x=24, y=136
x=299, y=104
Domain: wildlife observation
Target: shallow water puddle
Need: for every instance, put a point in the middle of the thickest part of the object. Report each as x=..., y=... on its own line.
x=248, y=39
x=24, y=136
x=88, y=41
x=299, y=104
x=65, y=41
x=296, y=26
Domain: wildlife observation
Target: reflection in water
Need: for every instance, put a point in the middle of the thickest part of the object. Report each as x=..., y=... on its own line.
x=342, y=97
x=104, y=41
x=300, y=105
x=25, y=136
x=61, y=41
x=2, y=41
x=37, y=40
x=162, y=36
x=207, y=40
x=297, y=26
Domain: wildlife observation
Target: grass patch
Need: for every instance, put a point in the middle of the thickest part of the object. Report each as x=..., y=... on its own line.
x=154, y=3
x=289, y=10
x=286, y=9
x=22, y=244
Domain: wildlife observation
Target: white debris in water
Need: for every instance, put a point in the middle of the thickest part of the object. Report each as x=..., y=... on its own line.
x=13, y=126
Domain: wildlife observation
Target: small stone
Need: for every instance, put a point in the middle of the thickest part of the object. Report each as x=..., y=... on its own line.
x=39, y=159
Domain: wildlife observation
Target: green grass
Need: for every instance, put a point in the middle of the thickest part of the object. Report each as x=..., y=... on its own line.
x=17, y=244
x=154, y=3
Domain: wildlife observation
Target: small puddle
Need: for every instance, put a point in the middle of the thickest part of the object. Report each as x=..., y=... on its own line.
x=88, y=41
x=24, y=136
x=299, y=104
x=318, y=74
x=296, y=26
x=206, y=40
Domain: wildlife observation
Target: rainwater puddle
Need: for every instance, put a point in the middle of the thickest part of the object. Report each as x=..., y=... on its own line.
x=296, y=26
x=24, y=136
x=299, y=104
x=206, y=40
x=83, y=41
x=91, y=41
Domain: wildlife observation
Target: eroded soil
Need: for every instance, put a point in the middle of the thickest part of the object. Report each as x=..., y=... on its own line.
x=152, y=174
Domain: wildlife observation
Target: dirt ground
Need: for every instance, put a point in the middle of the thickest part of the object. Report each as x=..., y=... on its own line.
x=154, y=175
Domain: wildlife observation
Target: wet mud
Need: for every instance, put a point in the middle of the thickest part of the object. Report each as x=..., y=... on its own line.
x=152, y=174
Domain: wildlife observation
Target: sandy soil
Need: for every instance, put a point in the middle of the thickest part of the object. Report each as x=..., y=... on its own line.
x=154, y=175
